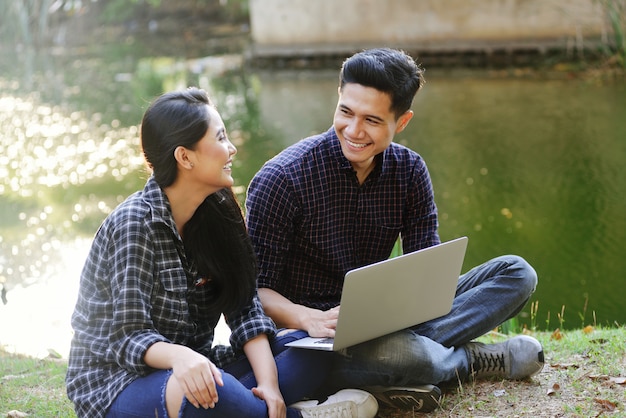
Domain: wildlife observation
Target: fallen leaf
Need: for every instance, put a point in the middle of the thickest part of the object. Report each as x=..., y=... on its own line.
x=565, y=366
x=610, y=379
x=556, y=388
x=606, y=405
x=16, y=414
x=556, y=335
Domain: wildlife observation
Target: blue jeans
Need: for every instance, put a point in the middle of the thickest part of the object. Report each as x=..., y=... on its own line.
x=300, y=373
x=432, y=352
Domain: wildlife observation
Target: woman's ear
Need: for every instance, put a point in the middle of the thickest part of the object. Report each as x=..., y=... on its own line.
x=404, y=120
x=181, y=154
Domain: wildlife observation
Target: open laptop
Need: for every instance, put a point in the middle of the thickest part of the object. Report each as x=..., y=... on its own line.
x=394, y=294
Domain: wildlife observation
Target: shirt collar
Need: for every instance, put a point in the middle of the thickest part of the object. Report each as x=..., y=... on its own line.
x=157, y=199
x=344, y=164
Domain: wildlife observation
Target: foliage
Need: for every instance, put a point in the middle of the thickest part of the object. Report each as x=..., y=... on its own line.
x=615, y=11
x=24, y=22
x=32, y=22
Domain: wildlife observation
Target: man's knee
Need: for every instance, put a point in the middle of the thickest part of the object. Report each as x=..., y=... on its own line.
x=527, y=273
x=397, y=353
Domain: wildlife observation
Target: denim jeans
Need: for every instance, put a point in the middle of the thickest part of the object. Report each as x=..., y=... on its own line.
x=432, y=352
x=300, y=373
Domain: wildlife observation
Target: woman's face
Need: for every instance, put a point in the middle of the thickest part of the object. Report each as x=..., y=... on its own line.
x=212, y=156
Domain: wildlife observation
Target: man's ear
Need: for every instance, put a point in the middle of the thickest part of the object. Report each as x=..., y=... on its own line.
x=404, y=120
x=181, y=154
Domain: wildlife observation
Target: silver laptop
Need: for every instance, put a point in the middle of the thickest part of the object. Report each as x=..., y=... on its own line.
x=394, y=294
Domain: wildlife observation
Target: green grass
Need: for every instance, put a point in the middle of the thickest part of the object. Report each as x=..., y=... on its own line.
x=33, y=386
x=584, y=376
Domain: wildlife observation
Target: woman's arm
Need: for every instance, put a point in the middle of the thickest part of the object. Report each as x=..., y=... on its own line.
x=263, y=365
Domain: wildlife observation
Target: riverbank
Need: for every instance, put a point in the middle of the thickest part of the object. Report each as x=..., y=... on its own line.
x=199, y=29
x=36, y=318
x=584, y=376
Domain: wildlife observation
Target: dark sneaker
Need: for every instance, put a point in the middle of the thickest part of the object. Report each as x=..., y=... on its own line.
x=517, y=358
x=424, y=398
x=347, y=403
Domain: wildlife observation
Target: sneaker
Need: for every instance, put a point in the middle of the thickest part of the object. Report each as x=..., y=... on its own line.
x=517, y=358
x=347, y=403
x=425, y=398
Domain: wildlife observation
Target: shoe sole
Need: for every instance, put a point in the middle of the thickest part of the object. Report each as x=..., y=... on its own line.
x=426, y=398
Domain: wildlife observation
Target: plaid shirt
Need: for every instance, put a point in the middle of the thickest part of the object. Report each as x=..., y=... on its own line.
x=311, y=221
x=137, y=288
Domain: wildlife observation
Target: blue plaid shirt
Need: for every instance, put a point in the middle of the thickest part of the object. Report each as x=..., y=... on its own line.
x=311, y=221
x=137, y=288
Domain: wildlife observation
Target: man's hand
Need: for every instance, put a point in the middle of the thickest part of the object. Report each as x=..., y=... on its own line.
x=287, y=314
x=322, y=323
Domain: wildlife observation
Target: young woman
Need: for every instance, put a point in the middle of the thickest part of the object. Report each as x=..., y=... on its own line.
x=162, y=268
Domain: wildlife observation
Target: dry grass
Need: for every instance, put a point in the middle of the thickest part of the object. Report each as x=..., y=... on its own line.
x=584, y=376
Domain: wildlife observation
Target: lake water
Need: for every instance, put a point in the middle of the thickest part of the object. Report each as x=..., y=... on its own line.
x=521, y=163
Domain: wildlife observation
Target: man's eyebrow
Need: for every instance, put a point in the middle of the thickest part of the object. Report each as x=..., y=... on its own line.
x=377, y=118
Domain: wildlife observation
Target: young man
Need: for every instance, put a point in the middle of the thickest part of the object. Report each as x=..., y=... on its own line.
x=339, y=200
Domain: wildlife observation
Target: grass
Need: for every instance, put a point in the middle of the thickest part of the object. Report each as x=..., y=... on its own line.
x=584, y=376
x=33, y=386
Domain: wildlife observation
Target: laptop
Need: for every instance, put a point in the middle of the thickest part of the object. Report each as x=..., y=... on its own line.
x=394, y=294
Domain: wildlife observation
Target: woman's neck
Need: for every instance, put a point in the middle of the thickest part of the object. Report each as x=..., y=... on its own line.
x=183, y=201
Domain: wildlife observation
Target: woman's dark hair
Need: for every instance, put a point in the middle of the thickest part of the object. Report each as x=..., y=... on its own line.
x=215, y=237
x=178, y=118
x=388, y=70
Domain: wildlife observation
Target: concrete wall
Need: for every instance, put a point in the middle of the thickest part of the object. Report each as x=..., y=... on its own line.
x=320, y=24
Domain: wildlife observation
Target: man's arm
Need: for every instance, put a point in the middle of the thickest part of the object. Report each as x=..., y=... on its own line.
x=287, y=314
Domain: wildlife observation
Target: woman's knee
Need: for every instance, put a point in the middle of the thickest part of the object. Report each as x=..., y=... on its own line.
x=173, y=397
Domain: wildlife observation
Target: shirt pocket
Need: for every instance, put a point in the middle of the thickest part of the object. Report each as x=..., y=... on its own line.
x=169, y=303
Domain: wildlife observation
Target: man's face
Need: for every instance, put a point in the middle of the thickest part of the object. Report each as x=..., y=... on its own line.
x=365, y=125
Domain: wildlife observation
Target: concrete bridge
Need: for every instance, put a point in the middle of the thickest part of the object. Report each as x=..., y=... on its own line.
x=440, y=31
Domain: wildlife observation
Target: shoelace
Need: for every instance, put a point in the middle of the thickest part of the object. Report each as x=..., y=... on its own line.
x=408, y=401
x=486, y=362
x=331, y=411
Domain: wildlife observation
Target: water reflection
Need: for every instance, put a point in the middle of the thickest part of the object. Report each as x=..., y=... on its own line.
x=531, y=167
x=49, y=159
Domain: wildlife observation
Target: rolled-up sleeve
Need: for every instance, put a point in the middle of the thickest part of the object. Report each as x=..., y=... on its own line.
x=249, y=323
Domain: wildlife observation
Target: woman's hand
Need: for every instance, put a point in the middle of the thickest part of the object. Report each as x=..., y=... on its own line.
x=197, y=376
x=276, y=407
